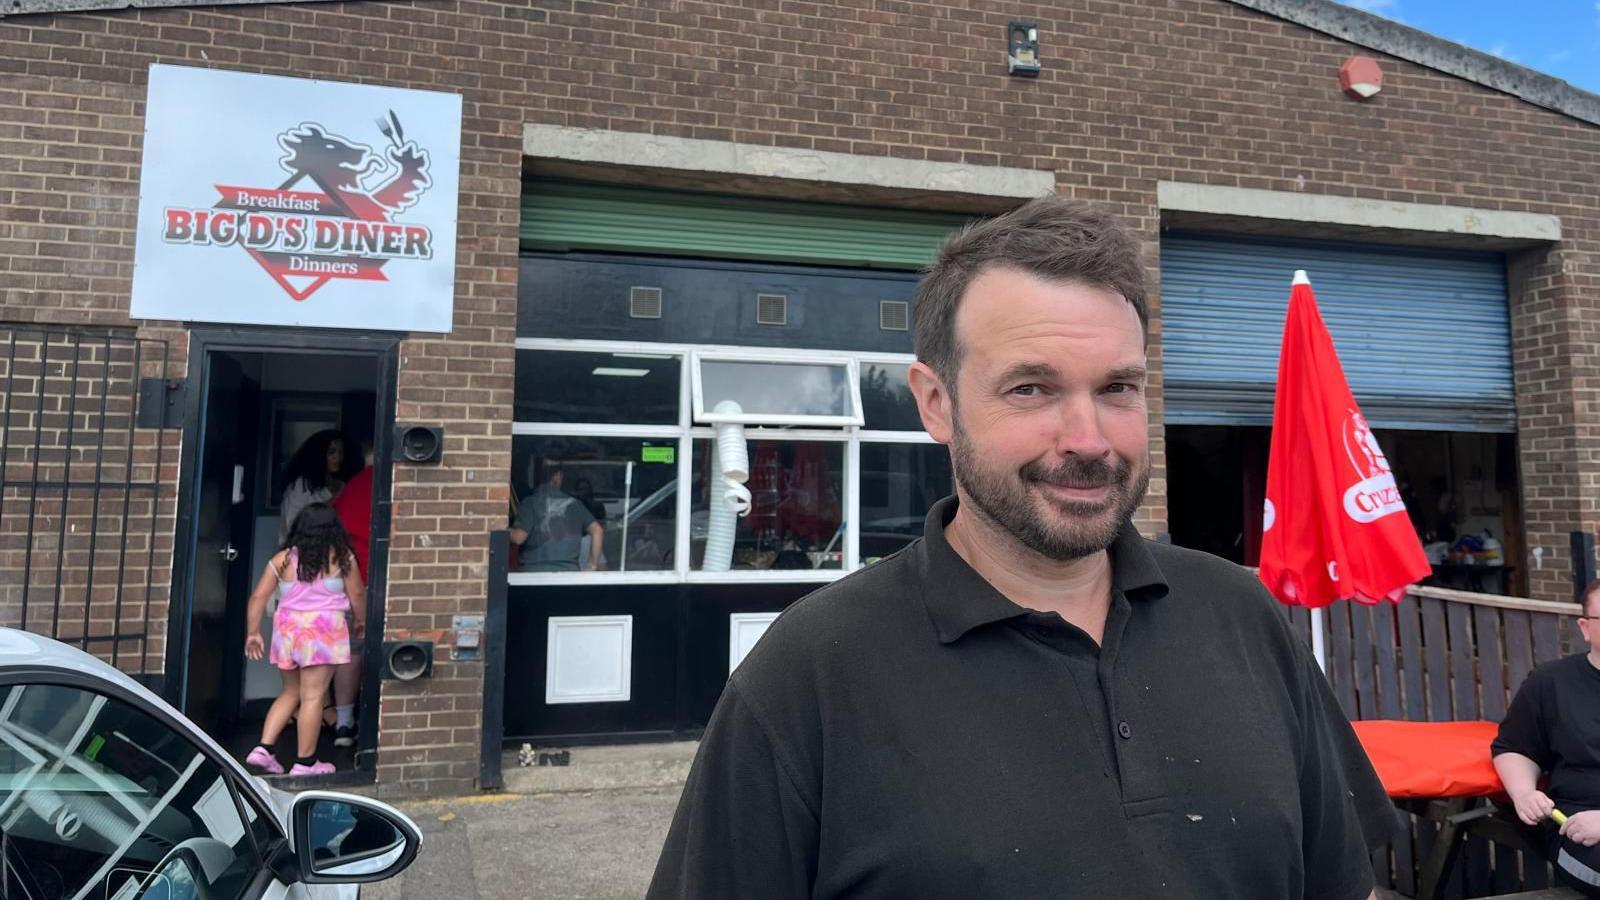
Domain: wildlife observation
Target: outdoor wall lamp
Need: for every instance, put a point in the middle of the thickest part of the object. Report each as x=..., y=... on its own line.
x=1022, y=52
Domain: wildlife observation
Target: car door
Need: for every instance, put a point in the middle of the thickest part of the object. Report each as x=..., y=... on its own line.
x=99, y=793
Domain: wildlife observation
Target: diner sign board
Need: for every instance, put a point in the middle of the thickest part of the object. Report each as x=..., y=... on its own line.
x=266, y=200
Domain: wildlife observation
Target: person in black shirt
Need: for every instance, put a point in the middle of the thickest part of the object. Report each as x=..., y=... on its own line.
x=551, y=524
x=1032, y=701
x=1553, y=728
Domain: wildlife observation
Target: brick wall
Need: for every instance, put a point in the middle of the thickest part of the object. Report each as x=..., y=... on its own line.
x=1552, y=423
x=1131, y=94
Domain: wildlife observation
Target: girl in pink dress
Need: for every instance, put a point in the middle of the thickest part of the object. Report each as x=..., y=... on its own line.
x=317, y=584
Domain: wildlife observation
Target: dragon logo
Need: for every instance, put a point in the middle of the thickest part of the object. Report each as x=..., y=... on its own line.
x=333, y=217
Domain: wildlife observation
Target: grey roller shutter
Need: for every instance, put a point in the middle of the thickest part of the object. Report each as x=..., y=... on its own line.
x=1424, y=335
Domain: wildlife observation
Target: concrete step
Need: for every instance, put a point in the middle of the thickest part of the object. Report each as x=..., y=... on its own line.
x=622, y=767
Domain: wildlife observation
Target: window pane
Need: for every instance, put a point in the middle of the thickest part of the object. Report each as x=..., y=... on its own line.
x=777, y=388
x=563, y=484
x=899, y=483
x=886, y=399
x=796, y=491
x=99, y=797
x=604, y=388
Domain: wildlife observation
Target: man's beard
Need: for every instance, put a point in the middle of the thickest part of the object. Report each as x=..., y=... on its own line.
x=1077, y=529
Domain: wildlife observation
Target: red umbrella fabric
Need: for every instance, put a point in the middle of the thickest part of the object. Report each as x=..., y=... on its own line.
x=1335, y=527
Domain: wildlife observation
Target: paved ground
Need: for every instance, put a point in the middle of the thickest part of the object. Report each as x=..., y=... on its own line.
x=594, y=845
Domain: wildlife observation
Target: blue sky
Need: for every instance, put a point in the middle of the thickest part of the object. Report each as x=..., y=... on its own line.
x=1559, y=37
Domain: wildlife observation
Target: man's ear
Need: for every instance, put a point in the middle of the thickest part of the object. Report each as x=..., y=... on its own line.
x=935, y=403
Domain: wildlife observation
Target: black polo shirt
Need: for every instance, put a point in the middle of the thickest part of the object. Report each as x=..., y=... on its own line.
x=908, y=732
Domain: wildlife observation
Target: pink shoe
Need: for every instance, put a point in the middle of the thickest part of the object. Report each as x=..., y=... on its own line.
x=318, y=768
x=263, y=759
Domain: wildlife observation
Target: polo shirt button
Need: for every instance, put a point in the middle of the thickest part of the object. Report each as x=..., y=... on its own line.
x=1124, y=729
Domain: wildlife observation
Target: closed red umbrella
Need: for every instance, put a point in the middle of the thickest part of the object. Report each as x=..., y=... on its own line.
x=1335, y=527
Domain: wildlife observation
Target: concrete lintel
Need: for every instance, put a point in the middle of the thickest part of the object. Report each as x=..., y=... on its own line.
x=1357, y=213
x=734, y=160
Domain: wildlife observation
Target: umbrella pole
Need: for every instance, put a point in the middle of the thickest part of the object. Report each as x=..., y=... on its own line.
x=1319, y=648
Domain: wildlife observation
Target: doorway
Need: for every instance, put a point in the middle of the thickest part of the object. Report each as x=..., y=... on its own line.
x=1460, y=489
x=256, y=414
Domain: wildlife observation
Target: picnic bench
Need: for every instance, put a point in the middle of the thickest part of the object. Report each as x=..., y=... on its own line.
x=1446, y=656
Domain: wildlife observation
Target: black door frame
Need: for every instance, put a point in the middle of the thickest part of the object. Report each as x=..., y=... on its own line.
x=204, y=340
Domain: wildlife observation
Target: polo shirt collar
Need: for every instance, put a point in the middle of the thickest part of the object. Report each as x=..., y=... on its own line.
x=958, y=599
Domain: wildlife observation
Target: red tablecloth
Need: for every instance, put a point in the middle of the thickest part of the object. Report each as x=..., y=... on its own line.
x=1432, y=759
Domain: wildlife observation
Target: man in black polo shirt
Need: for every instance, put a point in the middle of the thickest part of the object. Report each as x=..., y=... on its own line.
x=1553, y=727
x=1032, y=701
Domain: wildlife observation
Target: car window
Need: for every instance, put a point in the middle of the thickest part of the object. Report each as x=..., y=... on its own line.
x=95, y=794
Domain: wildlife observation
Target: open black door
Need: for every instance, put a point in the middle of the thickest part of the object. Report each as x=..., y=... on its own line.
x=221, y=581
x=247, y=387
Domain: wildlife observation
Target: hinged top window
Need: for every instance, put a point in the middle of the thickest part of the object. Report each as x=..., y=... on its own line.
x=811, y=391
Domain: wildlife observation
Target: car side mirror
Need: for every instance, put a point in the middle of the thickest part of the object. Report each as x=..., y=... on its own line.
x=344, y=839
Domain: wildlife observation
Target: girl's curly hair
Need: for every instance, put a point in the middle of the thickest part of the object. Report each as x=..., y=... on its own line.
x=318, y=538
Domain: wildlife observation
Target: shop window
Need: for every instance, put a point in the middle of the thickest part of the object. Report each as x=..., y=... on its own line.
x=796, y=517
x=886, y=399
x=639, y=472
x=627, y=486
x=817, y=392
x=602, y=388
x=899, y=484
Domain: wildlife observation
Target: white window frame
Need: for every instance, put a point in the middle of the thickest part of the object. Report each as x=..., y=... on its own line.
x=769, y=428
x=852, y=374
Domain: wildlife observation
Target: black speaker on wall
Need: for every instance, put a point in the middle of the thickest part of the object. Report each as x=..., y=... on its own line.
x=419, y=444
x=407, y=660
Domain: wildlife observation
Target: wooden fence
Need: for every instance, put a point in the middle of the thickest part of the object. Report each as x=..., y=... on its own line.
x=1440, y=656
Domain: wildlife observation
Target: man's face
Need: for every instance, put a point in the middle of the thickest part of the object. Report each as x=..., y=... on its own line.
x=1048, y=427
x=1589, y=622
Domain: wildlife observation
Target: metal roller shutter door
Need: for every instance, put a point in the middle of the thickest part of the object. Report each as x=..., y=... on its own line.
x=1424, y=335
x=563, y=216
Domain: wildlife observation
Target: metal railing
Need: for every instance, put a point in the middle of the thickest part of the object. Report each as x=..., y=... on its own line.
x=81, y=530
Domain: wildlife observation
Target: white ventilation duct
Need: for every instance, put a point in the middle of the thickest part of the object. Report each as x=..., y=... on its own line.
x=730, y=499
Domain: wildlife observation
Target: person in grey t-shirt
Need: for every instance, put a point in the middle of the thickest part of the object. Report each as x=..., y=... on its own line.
x=550, y=527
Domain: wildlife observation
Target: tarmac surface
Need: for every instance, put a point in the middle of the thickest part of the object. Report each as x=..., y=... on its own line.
x=588, y=831
x=599, y=845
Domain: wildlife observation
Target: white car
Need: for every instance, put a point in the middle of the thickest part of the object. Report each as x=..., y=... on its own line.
x=108, y=793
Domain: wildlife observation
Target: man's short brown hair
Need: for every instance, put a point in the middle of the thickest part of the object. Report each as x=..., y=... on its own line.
x=1589, y=600
x=1052, y=238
